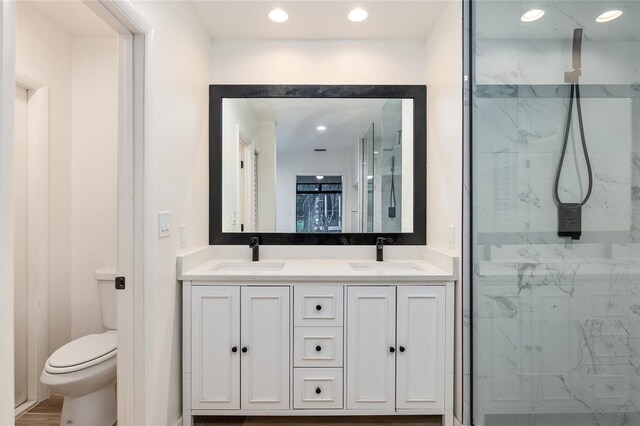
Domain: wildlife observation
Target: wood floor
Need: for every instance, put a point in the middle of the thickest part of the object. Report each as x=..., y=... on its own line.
x=320, y=421
x=47, y=413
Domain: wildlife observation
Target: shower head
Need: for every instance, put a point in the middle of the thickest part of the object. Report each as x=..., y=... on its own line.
x=577, y=48
x=573, y=76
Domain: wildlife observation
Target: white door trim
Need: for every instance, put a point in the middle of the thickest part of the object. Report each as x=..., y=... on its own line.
x=131, y=28
x=7, y=107
x=37, y=237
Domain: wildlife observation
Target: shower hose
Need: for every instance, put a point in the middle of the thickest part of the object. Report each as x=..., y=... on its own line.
x=569, y=214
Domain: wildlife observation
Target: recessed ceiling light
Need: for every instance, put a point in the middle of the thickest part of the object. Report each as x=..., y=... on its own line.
x=532, y=15
x=319, y=177
x=358, y=15
x=278, y=15
x=609, y=15
x=321, y=128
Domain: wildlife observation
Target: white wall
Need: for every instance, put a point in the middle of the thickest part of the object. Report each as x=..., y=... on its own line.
x=176, y=179
x=444, y=150
x=292, y=164
x=93, y=175
x=43, y=53
x=317, y=62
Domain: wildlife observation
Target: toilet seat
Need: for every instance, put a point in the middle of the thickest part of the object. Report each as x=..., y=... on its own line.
x=83, y=353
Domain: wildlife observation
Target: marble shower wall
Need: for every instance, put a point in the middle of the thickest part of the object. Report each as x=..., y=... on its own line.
x=556, y=325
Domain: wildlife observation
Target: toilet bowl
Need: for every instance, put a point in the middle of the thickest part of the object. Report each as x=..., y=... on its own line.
x=84, y=370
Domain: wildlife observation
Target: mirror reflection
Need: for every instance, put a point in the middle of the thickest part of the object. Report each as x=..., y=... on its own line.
x=317, y=165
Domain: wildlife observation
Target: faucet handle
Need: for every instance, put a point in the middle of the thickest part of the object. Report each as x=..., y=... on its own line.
x=254, y=241
x=380, y=241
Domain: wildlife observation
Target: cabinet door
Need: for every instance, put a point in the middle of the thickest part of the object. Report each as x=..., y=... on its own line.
x=371, y=323
x=421, y=340
x=265, y=348
x=215, y=333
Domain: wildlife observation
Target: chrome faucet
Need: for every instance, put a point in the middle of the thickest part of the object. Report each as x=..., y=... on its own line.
x=379, y=249
x=254, y=245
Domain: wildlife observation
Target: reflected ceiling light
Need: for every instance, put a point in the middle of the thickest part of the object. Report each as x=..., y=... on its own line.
x=321, y=128
x=278, y=15
x=369, y=177
x=532, y=15
x=358, y=15
x=319, y=177
x=609, y=15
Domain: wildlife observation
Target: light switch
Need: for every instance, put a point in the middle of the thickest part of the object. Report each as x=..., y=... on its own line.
x=164, y=224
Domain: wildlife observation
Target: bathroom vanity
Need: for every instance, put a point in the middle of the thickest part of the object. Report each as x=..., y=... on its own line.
x=317, y=337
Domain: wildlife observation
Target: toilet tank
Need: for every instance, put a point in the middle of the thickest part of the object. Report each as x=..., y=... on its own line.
x=106, y=287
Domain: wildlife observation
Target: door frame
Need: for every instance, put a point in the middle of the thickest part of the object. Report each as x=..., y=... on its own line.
x=37, y=237
x=131, y=28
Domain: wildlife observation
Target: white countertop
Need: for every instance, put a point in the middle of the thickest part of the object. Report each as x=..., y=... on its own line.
x=351, y=270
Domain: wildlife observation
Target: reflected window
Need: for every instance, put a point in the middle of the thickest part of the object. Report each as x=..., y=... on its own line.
x=318, y=204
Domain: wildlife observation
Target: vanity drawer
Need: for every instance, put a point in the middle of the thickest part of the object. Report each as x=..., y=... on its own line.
x=317, y=388
x=317, y=347
x=318, y=305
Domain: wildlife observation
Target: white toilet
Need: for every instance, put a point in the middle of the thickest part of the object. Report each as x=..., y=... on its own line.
x=84, y=370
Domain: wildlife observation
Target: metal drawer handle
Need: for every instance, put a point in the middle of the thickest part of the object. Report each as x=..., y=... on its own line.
x=318, y=348
x=318, y=390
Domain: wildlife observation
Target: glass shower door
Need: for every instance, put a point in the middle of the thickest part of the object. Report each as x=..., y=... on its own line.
x=556, y=320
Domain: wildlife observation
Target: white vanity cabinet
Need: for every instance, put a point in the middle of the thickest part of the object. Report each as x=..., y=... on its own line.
x=395, y=341
x=317, y=348
x=240, y=347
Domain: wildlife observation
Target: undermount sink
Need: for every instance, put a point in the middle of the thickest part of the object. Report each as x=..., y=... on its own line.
x=248, y=267
x=384, y=267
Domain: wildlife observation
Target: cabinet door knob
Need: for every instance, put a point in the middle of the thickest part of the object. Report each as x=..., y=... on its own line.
x=318, y=307
x=244, y=349
x=318, y=390
x=318, y=348
x=402, y=349
x=392, y=349
x=234, y=349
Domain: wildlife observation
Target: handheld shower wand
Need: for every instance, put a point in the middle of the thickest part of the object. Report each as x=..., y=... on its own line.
x=570, y=214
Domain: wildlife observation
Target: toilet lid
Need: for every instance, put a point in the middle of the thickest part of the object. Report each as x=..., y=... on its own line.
x=84, y=350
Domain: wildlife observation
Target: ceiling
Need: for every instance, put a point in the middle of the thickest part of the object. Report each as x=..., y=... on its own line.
x=72, y=16
x=318, y=20
x=500, y=19
x=296, y=120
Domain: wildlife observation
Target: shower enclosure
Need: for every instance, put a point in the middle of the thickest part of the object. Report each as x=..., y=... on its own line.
x=554, y=322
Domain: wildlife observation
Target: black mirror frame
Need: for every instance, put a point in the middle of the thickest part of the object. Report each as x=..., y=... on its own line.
x=416, y=92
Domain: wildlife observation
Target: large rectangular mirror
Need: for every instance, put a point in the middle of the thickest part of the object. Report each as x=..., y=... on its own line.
x=317, y=164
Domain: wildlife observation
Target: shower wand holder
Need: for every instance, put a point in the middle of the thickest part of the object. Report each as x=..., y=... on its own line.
x=570, y=220
x=572, y=77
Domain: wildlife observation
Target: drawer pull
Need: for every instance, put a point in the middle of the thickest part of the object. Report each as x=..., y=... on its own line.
x=318, y=307
x=392, y=349
x=244, y=349
x=318, y=348
x=234, y=349
x=402, y=349
x=318, y=390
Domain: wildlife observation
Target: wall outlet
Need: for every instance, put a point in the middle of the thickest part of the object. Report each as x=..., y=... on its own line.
x=452, y=237
x=164, y=224
x=183, y=236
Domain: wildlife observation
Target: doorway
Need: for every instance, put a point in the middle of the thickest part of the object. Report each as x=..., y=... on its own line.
x=128, y=137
